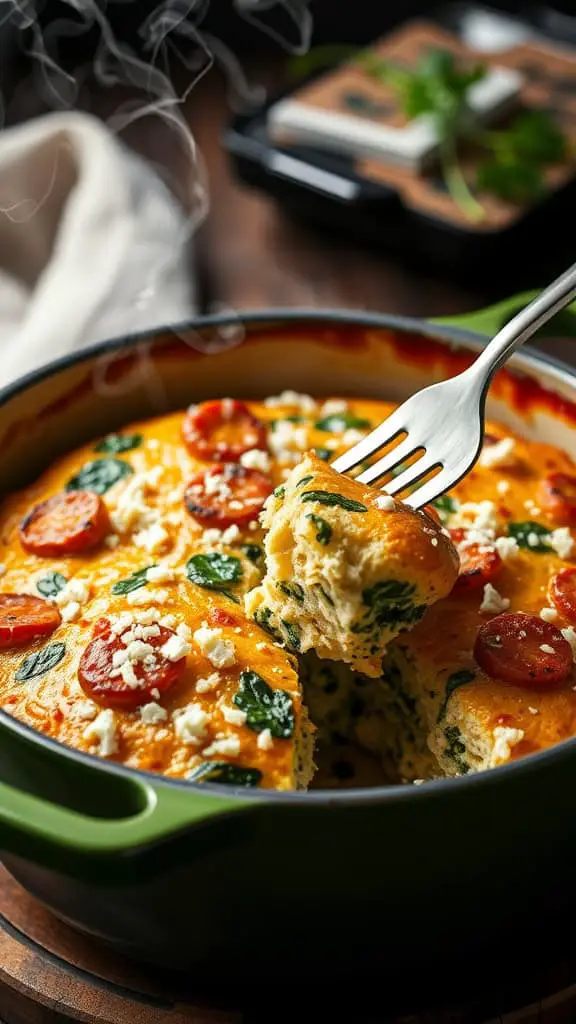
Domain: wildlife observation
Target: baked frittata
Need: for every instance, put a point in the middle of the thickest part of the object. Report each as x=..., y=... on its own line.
x=126, y=568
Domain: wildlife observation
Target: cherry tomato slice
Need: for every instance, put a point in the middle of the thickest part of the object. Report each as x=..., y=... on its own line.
x=477, y=567
x=98, y=678
x=557, y=497
x=523, y=650
x=24, y=618
x=218, y=617
x=222, y=431
x=224, y=495
x=563, y=593
x=66, y=524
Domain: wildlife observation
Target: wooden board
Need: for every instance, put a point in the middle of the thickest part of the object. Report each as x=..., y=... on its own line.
x=49, y=974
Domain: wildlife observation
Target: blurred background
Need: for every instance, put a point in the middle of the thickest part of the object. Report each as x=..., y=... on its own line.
x=264, y=240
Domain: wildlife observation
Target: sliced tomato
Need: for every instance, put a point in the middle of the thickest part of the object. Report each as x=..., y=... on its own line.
x=98, y=678
x=219, y=617
x=24, y=618
x=224, y=495
x=478, y=566
x=557, y=496
x=66, y=524
x=563, y=593
x=222, y=431
x=523, y=650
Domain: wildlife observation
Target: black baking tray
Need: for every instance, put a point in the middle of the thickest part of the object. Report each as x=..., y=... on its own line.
x=324, y=189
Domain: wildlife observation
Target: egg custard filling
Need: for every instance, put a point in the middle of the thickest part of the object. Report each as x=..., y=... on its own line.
x=201, y=595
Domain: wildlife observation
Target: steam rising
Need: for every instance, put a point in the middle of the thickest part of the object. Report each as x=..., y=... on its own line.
x=173, y=31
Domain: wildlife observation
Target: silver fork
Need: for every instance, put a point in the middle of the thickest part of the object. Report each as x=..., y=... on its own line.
x=445, y=422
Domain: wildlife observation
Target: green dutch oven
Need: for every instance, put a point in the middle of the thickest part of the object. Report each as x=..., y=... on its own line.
x=256, y=887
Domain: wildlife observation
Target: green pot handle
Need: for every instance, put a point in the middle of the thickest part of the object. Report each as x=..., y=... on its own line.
x=489, y=321
x=120, y=813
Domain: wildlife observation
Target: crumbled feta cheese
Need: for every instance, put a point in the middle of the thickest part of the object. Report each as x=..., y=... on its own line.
x=229, y=747
x=333, y=407
x=74, y=590
x=287, y=439
x=214, y=483
x=504, y=740
x=533, y=711
x=255, y=459
x=112, y=540
x=476, y=515
x=138, y=650
x=265, y=740
x=184, y=631
x=220, y=652
x=160, y=574
x=547, y=649
x=173, y=498
x=208, y=683
x=146, y=616
x=103, y=731
x=304, y=402
x=70, y=611
x=561, y=541
x=175, y=648
x=231, y=535
x=503, y=486
x=85, y=710
x=169, y=621
x=507, y=547
x=233, y=715
x=548, y=614
x=212, y=536
x=492, y=602
x=569, y=634
x=434, y=542
x=145, y=596
x=120, y=623
x=152, y=713
x=496, y=454
x=384, y=502
x=236, y=505
x=190, y=723
x=152, y=539
x=153, y=443
x=352, y=436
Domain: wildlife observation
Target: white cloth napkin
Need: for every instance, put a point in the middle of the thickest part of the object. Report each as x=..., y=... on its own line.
x=92, y=244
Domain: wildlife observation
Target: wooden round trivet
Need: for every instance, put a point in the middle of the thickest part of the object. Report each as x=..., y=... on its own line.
x=50, y=974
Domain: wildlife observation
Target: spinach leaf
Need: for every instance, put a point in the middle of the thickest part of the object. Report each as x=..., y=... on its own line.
x=214, y=571
x=265, y=708
x=51, y=584
x=453, y=683
x=292, y=634
x=330, y=498
x=530, y=535
x=253, y=552
x=304, y=480
x=390, y=603
x=225, y=774
x=279, y=492
x=445, y=505
x=325, y=594
x=324, y=530
x=114, y=444
x=324, y=453
x=262, y=618
x=136, y=579
x=455, y=749
x=99, y=476
x=40, y=662
x=341, y=421
x=293, y=590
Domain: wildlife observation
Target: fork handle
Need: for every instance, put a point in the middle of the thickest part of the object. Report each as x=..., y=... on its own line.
x=525, y=324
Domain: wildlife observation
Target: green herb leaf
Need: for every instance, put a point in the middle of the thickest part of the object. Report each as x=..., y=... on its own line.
x=455, y=748
x=262, y=617
x=214, y=571
x=304, y=480
x=324, y=530
x=225, y=774
x=331, y=499
x=512, y=180
x=99, y=476
x=454, y=682
x=265, y=708
x=324, y=453
x=136, y=579
x=446, y=505
x=280, y=492
x=325, y=594
x=341, y=421
x=390, y=603
x=40, y=662
x=293, y=590
x=292, y=634
x=51, y=584
x=524, y=533
x=253, y=552
x=117, y=443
